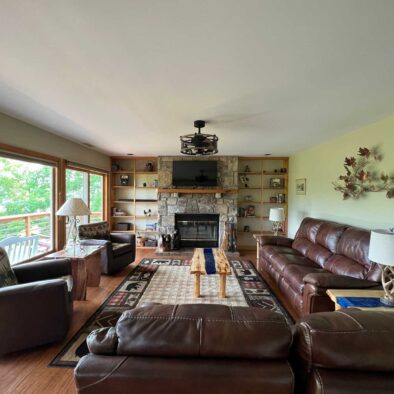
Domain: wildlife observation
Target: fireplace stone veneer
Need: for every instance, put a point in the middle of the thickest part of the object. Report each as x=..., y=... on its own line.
x=225, y=205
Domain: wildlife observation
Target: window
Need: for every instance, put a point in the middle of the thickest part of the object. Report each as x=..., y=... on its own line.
x=90, y=187
x=26, y=207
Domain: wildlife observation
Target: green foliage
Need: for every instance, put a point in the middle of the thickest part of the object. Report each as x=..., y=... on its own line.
x=27, y=188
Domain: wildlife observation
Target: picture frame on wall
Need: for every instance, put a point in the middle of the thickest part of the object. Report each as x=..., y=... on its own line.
x=301, y=186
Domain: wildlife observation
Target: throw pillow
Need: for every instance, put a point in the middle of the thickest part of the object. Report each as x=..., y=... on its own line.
x=7, y=276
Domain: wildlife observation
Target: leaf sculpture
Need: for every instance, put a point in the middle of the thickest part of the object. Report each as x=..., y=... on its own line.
x=362, y=176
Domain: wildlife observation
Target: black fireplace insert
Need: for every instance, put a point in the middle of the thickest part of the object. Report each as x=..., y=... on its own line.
x=198, y=229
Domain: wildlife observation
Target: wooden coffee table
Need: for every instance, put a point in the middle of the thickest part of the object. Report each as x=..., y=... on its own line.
x=85, y=267
x=197, y=268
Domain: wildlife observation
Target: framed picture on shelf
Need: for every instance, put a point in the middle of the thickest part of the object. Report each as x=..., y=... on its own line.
x=250, y=211
x=276, y=183
x=301, y=186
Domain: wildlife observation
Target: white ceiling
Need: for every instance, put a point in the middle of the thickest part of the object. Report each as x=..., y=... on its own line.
x=131, y=76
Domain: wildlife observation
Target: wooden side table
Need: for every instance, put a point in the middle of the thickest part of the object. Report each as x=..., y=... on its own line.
x=337, y=293
x=85, y=267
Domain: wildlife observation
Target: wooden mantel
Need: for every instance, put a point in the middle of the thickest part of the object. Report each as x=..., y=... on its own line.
x=196, y=191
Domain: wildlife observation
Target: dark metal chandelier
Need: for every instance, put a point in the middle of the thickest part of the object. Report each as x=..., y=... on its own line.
x=199, y=143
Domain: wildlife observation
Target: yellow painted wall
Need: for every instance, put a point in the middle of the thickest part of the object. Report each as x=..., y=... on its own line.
x=23, y=135
x=321, y=165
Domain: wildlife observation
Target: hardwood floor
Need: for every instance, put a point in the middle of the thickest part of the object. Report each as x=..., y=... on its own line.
x=28, y=372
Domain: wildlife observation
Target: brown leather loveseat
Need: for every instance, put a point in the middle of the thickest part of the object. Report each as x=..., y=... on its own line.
x=215, y=349
x=323, y=255
x=210, y=349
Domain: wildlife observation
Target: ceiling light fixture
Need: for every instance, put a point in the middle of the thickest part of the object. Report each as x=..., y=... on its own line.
x=199, y=143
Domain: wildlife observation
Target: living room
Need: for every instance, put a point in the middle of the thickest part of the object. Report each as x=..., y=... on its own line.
x=197, y=196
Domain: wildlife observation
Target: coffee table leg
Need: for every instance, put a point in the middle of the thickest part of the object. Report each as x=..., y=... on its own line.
x=197, y=285
x=222, y=286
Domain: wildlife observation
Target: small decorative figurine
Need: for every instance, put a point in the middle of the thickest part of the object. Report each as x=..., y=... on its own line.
x=166, y=242
x=149, y=166
x=247, y=169
x=148, y=212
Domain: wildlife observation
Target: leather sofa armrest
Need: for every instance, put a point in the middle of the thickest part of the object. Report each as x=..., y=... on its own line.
x=103, y=341
x=331, y=281
x=274, y=240
x=123, y=238
x=42, y=270
x=347, y=339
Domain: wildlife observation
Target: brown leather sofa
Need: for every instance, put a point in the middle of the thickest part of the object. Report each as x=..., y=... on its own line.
x=323, y=255
x=38, y=309
x=217, y=349
x=118, y=248
x=210, y=349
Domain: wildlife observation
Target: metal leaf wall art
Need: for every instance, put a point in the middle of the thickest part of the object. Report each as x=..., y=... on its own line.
x=362, y=176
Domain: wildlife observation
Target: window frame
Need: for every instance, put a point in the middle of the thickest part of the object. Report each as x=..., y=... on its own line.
x=91, y=171
x=44, y=159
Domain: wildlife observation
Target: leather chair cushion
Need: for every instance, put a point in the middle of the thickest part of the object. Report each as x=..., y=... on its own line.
x=99, y=230
x=203, y=331
x=119, y=249
x=315, y=252
x=294, y=275
x=349, y=339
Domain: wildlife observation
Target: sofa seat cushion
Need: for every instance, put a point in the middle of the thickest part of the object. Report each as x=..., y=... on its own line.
x=294, y=275
x=281, y=262
x=119, y=249
x=272, y=250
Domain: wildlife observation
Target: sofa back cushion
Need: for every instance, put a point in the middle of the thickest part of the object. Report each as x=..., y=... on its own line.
x=7, y=275
x=351, y=258
x=317, y=239
x=203, y=331
x=98, y=230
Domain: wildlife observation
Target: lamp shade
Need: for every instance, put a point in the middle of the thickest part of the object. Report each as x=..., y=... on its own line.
x=381, y=247
x=277, y=215
x=73, y=207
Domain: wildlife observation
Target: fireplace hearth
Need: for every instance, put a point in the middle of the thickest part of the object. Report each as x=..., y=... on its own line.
x=198, y=229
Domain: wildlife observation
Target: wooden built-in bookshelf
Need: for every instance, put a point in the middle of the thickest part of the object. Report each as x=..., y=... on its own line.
x=260, y=190
x=135, y=197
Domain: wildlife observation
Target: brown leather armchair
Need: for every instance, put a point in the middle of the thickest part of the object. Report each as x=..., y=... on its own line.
x=38, y=309
x=210, y=349
x=344, y=352
x=118, y=248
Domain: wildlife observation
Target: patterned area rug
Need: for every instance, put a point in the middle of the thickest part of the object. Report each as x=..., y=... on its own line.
x=169, y=281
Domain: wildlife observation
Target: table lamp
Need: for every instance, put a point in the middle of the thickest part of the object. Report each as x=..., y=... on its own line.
x=277, y=216
x=72, y=208
x=381, y=251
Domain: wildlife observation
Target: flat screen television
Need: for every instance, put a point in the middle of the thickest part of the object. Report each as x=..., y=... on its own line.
x=194, y=173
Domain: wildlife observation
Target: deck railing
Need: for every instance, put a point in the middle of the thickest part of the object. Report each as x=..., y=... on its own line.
x=25, y=225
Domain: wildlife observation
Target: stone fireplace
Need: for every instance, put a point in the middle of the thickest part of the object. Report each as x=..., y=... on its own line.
x=223, y=205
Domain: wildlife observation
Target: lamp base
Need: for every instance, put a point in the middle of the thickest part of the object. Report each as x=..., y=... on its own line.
x=387, y=302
